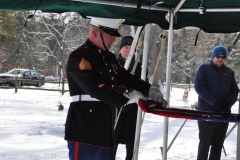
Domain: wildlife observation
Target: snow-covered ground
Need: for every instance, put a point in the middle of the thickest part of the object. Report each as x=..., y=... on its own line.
x=31, y=127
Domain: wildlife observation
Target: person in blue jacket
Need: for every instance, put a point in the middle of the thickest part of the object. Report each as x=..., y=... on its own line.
x=217, y=91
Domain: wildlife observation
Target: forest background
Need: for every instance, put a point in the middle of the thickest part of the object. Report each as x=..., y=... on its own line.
x=44, y=42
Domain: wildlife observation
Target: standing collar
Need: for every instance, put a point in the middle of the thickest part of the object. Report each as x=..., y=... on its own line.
x=95, y=48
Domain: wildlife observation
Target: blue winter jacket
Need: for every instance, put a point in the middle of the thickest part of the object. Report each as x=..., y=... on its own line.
x=215, y=84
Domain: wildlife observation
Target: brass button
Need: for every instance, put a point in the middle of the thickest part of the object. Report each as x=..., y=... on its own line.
x=116, y=72
x=112, y=78
x=112, y=86
x=99, y=50
x=106, y=64
x=110, y=70
x=100, y=71
x=103, y=57
x=90, y=110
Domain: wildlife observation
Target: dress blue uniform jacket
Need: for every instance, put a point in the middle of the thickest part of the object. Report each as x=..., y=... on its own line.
x=95, y=72
x=215, y=84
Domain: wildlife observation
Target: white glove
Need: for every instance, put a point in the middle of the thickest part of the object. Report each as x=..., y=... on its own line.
x=156, y=95
x=134, y=96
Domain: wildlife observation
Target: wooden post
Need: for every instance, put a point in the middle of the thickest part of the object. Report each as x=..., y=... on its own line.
x=62, y=85
x=171, y=85
x=189, y=85
x=59, y=81
x=16, y=84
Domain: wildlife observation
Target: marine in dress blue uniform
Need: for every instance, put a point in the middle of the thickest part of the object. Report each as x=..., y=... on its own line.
x=93, y=74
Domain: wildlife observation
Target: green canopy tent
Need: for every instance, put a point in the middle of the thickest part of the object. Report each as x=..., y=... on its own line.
x=221, y=16
x=212, y=16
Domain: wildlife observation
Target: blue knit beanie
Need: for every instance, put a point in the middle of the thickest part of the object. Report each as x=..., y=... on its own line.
x=219, y=50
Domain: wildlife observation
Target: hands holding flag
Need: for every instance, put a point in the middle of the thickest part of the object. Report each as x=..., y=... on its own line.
x=154, y=94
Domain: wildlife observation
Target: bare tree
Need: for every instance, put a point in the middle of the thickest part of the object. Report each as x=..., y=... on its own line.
x=56, y=36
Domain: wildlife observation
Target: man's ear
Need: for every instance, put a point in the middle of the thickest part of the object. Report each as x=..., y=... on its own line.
x=95, y=32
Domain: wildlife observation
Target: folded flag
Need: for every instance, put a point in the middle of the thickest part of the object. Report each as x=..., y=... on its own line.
x=157, y=108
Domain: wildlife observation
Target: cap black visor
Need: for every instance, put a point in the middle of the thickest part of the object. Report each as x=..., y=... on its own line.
x=110, y=31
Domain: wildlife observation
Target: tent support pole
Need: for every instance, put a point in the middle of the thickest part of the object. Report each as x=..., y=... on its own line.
x=238, y=135
x=176, y=9
x=168, y=75
x=143, y=77
x=230, y=131
x=177, y=134
x=168, y=80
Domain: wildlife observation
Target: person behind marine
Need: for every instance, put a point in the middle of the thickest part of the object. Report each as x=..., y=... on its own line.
x=126, y=125
x=217, y=92
x=93, y=74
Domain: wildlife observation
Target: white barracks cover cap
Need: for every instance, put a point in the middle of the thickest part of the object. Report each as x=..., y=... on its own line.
x=108, y=25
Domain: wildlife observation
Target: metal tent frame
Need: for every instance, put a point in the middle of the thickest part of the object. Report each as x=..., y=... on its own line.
x=172, y=13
